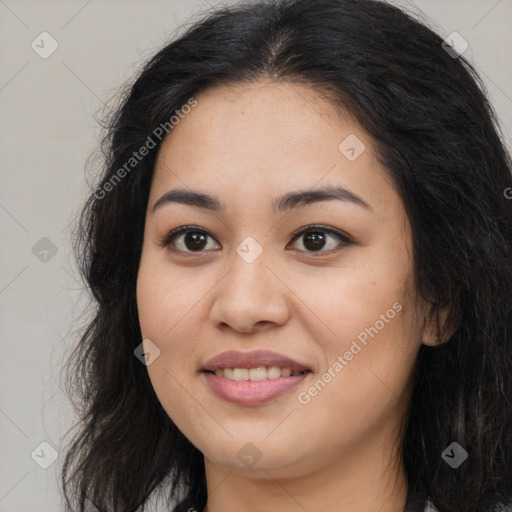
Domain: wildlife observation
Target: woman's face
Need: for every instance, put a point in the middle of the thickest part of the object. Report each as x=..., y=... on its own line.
x=344, y=308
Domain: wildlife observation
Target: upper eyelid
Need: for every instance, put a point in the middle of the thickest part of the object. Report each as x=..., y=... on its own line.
x=319, y=227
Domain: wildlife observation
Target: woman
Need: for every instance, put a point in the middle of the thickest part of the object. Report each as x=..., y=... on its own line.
x=300, y=252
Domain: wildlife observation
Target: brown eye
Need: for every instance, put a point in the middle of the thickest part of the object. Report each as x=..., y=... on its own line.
x=186, y=239
x=316, y=238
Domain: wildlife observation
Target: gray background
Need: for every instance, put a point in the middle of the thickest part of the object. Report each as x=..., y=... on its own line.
x=48, y=129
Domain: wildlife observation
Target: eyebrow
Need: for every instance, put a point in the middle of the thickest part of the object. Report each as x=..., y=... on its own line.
x=281, y=204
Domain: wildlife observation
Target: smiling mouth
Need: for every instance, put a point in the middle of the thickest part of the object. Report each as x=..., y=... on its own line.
x=256, y=374
x=255, y=386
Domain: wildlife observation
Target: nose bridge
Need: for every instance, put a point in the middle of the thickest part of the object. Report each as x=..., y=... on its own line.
x=250, y=294
x=249, y=275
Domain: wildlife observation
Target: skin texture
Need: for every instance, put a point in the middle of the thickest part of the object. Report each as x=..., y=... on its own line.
x=247, y=144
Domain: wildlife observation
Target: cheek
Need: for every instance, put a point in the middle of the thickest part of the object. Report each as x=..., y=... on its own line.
x=164, y=297
x=369, y=319
x=344, y=300
x=171, y=315
x=166, y=312
x=368, y=366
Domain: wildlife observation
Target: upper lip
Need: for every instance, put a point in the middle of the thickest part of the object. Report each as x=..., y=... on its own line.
x=254, y=359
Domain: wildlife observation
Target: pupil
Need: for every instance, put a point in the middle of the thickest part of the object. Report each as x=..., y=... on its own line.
x=315, y=238
x=196, y=240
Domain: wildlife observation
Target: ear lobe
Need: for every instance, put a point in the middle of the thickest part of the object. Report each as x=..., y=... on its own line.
x=440, y=325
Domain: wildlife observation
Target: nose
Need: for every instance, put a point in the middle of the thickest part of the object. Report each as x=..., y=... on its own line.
x=251, y=297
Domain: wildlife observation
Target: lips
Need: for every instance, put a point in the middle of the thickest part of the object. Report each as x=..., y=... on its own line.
x=226, y=375
x=254, y=359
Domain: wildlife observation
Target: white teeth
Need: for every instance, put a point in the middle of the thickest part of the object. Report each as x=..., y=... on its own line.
x=255, y=374
x=259, y=373
x=273, y=372
x=240, y=374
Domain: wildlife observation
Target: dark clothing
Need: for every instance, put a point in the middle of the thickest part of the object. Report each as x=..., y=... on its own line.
x=413, y=504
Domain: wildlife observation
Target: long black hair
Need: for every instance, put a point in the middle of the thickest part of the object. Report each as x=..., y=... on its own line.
x=439, y=139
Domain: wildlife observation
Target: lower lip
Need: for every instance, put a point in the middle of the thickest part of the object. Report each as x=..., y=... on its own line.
x=248, y=392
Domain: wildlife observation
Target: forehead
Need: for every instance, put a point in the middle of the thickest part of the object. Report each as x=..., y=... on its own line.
x=261, y=115
x=267, y=136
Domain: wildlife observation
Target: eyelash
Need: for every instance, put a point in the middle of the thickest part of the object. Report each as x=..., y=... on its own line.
x=345, y=240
